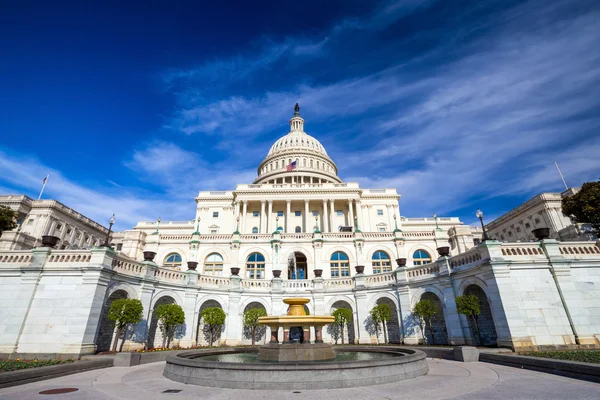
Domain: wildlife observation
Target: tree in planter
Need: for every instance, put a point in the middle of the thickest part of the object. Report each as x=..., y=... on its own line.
x=380, y=314
x=469, y=305
x=124, y=312
x=214, y=318
x=585, y=205
x=343, y=318
x=425, y=310
x=251, y=317
x=169, y=316
x=8, y=219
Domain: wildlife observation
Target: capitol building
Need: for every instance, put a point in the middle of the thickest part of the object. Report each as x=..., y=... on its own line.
x=298, y=230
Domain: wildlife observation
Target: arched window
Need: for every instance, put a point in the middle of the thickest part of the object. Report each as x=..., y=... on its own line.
x=255, y=266
x=311, y=163
x=421, y=257
x=381, y=262
x=173, y=260
x=298, y=229
x=340, y=265
x=255, y=230
x=213, y=265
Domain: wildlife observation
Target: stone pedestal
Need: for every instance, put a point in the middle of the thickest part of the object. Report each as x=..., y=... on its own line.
x=466, y=354
x=296, y=352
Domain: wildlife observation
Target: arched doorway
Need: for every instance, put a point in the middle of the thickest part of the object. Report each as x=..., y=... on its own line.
x=260, y=330
x=349, y=330
x=487, y=328
x=202, y=334
x=155, y=335
x=438, y=323
x=297, y=266
x=392, y=326
x=106, y=331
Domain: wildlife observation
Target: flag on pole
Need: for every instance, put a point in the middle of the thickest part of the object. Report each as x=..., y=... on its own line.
x=43, y=186
x=44, y=181
x=291, y=166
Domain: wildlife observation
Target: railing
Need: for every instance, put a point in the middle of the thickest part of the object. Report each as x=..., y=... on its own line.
x=579, y=250
x=429, y=269
x=338, y=283
x=15, y=257
x=256, y=284
x=522, y=249
x=169, y=274
x=468, y=257
x=379, y=279
x=178, y=238
x=418, y=234
x=338, y=236
x=126, y=266
x=299, y=236
x=213, y=281
x=378, y=235
x=256, y=237
x=298, y=284
x=69, y=256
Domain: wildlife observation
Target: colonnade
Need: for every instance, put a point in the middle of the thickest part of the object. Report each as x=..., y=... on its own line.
x=84, y=240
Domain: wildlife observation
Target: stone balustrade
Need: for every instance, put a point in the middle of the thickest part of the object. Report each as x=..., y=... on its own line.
x=472, y=256
x=579, y=249
x=214, y=281
x=256, y=284
x=383, y=279
x=338, y=283
x=522, y=249
x=15, y=257
x=424, y=271
x=69, y=256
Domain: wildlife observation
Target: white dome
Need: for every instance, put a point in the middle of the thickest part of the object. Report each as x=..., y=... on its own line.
x=297, y=140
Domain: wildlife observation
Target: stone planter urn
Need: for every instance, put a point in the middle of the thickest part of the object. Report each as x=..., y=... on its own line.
x=49, y=241
x=318, y=273
x=443, y=251
x=276, y=273
x=401, y=262
x=541, y=233
x=192, y=265
x=359, y=269
x=149, y=255
x=235, y=271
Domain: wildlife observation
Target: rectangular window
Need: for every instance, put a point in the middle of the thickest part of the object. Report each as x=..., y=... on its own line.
x=255, y=214
x=213, y=231
x=119, y=246
x=340, y=213
x=297, y=213
x=280, y=213
x=379, y=212
x=381, y=229
x=315, y=213
x=215, y=214
x=527, y=225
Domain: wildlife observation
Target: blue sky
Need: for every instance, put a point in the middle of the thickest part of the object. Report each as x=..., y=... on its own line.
x=133, y=107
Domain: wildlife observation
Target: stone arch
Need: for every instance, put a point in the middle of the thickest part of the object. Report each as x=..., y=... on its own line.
x=350, y=252
x=206, y=252
x=155, y=336
x=485, y=321
x=393, y=325
x=350, y=329
x=160, y=258
x=438, y=321
x=106, y=328
x=266, y=305
x=297, y=249
x=259, y=250
x=260, y=331
x=202, y=338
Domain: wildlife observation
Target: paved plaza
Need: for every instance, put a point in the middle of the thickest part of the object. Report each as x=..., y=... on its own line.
x=446, y=380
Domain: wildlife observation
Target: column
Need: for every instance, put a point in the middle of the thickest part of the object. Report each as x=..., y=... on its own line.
x=263, y=224
x=325, y=217
x=52, y=227
x=270, y=217
x=350, y=213
x=73, y=236
x=332, y=216
x=390, y=212
x=244, y=212
x=236, y=217
x=288, y=211
x=359, y=214
x=306, y=217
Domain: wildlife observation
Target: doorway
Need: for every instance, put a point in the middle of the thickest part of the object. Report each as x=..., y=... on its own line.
x=297, y=266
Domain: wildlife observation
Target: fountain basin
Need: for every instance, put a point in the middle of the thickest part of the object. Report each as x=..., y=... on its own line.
x=396, y=364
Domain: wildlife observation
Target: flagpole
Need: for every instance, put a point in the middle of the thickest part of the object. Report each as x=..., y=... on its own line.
x=561, y=176
x=43, y=186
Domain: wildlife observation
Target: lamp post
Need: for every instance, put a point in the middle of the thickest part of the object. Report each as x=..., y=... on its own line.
x=111, y=222
x=479, y=215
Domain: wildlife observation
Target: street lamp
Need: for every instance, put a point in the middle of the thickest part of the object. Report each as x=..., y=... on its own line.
x=111, y=222
x=479, y=215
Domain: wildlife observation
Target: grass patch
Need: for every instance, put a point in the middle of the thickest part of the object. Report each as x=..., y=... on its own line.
x=588, y=356
x=14, y=365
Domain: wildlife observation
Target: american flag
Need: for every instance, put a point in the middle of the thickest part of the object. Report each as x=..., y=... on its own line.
x=291, y=166
x=45, y=179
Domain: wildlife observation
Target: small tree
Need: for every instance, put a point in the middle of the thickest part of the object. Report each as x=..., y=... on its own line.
x=381, y=313
x=214, y=318
x=585, y=205
x=469, y=305
x=251, y=317
x=343, y=317
x=425, y=310
x=124, y=312
x=8, y=219
x=170, y=316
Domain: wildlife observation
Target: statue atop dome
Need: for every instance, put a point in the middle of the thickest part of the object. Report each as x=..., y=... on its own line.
x=296, y=110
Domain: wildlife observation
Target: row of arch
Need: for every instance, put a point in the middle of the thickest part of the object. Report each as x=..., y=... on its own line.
x=339, y=263
x=300, y=163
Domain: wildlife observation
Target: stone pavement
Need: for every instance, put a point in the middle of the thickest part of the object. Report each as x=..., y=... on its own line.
x=446, y=379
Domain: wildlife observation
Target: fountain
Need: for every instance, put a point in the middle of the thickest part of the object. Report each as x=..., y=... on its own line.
x=298, y=362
